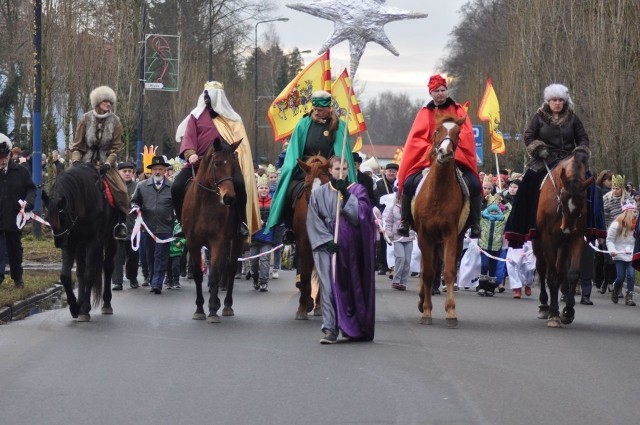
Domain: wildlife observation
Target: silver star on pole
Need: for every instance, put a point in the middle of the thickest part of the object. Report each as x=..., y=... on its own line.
x=359, y=21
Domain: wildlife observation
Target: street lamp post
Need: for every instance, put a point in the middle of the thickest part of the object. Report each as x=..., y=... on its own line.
x=255, y=84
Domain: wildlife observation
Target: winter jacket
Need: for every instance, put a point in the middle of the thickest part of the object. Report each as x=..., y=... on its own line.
x=492, y=226
x=15, y=185
x=391, y=218
x=613, y=206
x=156, y=205
x=621, y=244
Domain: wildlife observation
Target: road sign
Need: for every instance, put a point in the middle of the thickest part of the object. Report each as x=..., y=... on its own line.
x=161, y=62
x=477, y=134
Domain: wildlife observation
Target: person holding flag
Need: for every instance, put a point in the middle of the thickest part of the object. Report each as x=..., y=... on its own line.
x=416, y=154
x=319, y=132
x=348, y=283
x=554, y=133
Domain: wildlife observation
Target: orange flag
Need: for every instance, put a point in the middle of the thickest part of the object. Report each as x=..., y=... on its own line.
x=344, y=97
x=295, y=100
x=489, y=110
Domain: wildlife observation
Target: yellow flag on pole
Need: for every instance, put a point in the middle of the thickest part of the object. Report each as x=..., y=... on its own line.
x=489, y=110
x=295, y=100
x=344, y=97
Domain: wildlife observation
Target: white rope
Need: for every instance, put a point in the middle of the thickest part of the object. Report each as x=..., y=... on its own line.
x=596, y=249
x=262, y=254
x=23, y=216
x=136, y=233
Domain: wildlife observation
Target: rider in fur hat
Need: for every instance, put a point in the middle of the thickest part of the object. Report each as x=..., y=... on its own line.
x=98, y=140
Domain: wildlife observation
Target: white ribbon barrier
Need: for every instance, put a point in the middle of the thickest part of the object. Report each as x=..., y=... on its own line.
x=604, y=251
x=23, y=216
x=263, y=254
x=136, y=233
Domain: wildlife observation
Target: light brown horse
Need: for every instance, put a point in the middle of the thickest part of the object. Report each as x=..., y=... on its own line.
x=561, y=222
x=439, y=210
x=209, y=219
x=317, y=173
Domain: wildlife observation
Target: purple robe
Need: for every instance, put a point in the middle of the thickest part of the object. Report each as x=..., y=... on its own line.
x=199, y=135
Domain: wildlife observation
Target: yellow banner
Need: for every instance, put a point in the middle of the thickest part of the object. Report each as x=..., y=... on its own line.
x=344, y=97
x=295, y=100
x=489, y=110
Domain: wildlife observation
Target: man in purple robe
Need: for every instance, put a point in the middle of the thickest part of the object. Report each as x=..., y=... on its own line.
x=348, y=292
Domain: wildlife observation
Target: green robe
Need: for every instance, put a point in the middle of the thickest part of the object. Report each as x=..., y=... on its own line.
x=294, y=152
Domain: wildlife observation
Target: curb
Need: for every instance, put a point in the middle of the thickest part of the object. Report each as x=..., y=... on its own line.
x=23, y=308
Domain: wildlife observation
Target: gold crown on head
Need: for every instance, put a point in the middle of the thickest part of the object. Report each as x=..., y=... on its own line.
x=211, y=85
x=617, y=181
x=271, y=169
x=263, y=180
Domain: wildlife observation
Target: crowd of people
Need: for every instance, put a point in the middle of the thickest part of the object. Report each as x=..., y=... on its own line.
x=358, y=223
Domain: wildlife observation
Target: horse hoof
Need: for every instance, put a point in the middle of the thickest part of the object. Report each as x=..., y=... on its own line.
x=420, y=307
x=452, y=323
x=227, y=311
x=213, y=318
x=107, y=310
x=426, y=321
x=84, y=318
x=543, y=314
x=301, y=316
x=199, y=316
x=317, y=311
x=553, y=322
x=74, y=311
x=567, y=319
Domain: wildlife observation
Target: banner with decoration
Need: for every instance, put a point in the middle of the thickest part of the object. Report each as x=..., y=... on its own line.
x=345, y=97
x=489, y=110
x=295, y=100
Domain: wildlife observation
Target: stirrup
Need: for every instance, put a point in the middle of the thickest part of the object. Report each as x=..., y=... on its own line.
x=120, y=232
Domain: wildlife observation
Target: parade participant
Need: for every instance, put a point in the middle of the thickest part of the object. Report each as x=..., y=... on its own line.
x=319, y=132
x=262, y=242
x=384, y=186
x=15, y=185
x=553, y=134
x=620, y=241
x=98, y=141
x=348, y=300
x=214, y=117
x=176, y=251
x=416, y=154
x=153, y=198
x=364, y=179
x=402, y=246
x=126, y=258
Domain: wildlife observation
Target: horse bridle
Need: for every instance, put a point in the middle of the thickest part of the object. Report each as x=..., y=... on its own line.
x=216, y=183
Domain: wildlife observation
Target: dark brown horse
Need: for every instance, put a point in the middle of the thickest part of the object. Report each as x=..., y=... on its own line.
x=82, y=221
x=561, y=221
x=440, y=215
x=209, y=219
x=317, y=173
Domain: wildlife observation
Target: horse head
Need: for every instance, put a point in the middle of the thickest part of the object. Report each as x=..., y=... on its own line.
x=446, y=137
x=222, y=162
x=316, y=170
x=573, y=192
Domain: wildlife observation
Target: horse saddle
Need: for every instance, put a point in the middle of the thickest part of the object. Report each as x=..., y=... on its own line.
x=464, y=214
x=294, y=191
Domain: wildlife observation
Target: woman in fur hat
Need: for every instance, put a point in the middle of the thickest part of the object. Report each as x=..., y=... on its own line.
x=98, y=141
x=554, y=133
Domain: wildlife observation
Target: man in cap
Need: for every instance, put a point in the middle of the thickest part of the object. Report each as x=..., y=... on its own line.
x=214, y=117
x=15, y=185
x=318, y=132
x=126, y=257
x=153, y=198
x=98, y=141
x=364, y=179
x=419, y=143
x=384, y=186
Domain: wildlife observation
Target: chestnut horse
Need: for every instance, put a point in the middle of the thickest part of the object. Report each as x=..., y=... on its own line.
x=209, y=219
x=317, y=173
x=440, y=214
x=561, y=222
x=82, y=221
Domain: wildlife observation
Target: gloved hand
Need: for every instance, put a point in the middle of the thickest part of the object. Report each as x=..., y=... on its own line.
x=341, y=186
x=104, y=168
x=543, y=153
x=28, y=207
x=332, y=247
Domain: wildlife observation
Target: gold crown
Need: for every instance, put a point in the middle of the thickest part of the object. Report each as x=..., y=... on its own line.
x=148, y=152
x=617, y=181
x=263, y=180
x=271, y=169
x=211, y=85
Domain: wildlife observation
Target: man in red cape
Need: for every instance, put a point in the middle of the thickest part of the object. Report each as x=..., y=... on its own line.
x=418, y=145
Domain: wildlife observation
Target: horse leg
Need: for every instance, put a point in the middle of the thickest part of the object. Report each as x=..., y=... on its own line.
x=304, y=269
x=196, y=267
x=109, y=254
x=429, y=265
x=571, y=278
x=214, y=285
x=84, y=284
x=68, y=254
x=450, y=258
x=235, y=251
x=554, y=315
x=541, y=268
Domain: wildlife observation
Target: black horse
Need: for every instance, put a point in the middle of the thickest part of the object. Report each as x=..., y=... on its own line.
x=82, y=219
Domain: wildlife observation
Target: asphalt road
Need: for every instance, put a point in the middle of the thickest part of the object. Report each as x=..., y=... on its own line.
x=150, y=363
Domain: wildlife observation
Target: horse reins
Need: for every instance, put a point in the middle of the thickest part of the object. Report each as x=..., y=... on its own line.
x=553, y=182
x=216, y=183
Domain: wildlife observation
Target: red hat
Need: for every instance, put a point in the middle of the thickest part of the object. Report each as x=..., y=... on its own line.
x=436, y=81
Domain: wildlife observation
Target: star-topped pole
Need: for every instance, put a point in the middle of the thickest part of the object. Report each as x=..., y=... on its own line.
x=359, y=21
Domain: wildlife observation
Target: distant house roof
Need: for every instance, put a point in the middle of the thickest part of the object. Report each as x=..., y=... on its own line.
x=382, y=152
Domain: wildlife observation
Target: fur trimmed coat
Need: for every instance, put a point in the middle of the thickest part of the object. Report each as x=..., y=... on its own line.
x=98, y=139
x=560, y=137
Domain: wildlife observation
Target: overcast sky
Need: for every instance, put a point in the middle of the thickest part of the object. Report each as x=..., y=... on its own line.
x=420, y=42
